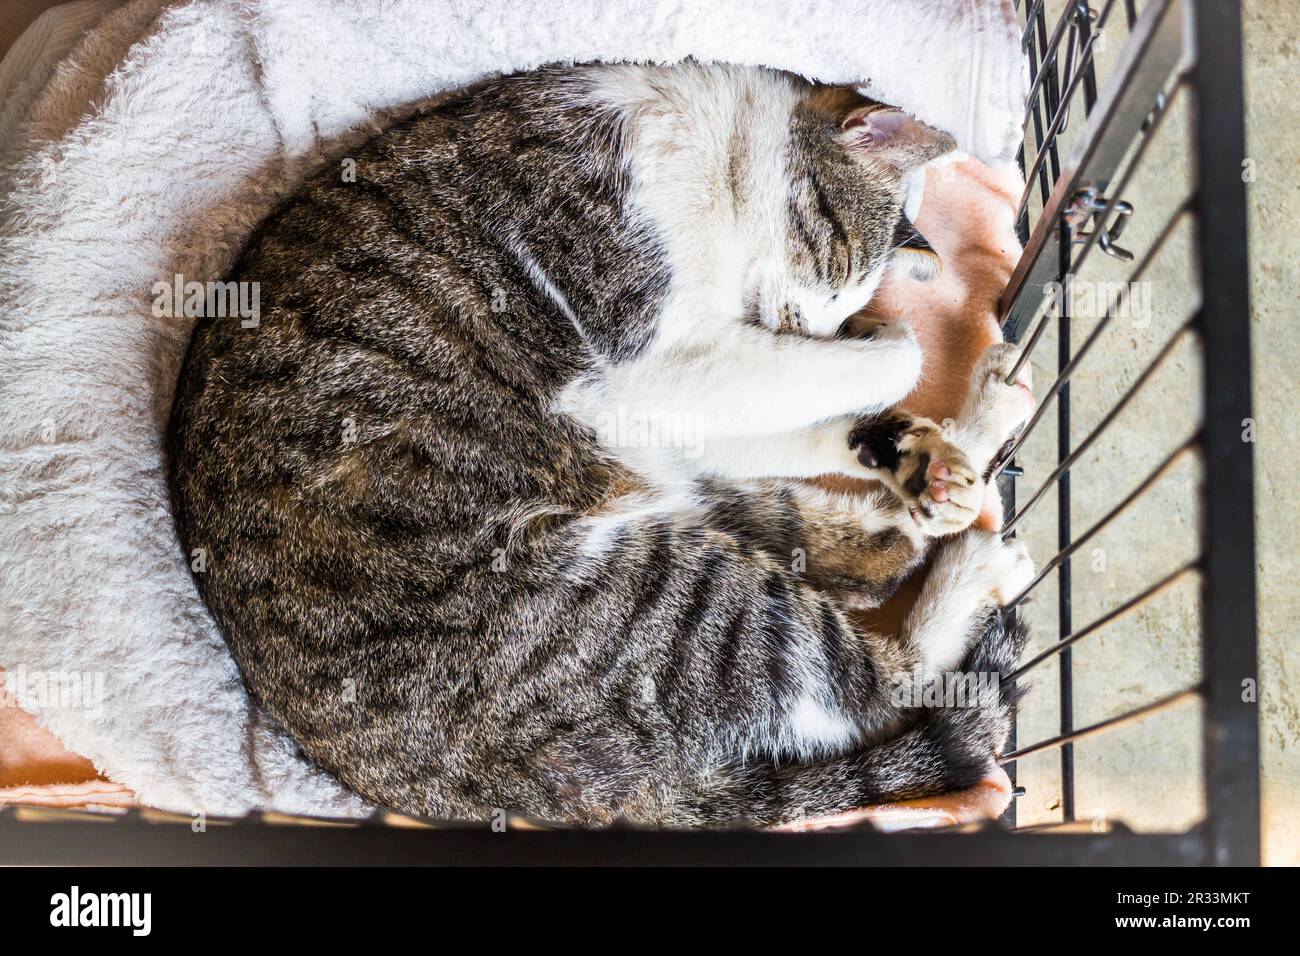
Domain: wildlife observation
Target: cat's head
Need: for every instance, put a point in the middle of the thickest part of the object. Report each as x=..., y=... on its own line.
x=850, y=163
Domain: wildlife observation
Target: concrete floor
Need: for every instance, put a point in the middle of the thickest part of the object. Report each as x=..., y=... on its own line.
x=1148, y=775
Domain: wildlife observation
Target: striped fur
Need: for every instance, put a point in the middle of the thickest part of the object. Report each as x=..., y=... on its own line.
x=445, y=535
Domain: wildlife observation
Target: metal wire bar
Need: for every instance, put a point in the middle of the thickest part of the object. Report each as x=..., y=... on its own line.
x=1106, y=619
x=1119, y=300
x=1057, y=119
x=1031, y=14
x=1071, y=51
x=1052, y=93
x=1101, y=216
x=1065, y=573
x=1049, y=59
x=1161, y=357
x=1050, y=74
x=1159, y=472
x=1007, y=482
x=1081, y=27
x=1086, y=28
x=1132, y=716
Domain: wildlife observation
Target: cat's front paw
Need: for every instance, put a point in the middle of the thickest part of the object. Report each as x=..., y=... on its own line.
x=894, y=355
x=941, y=487
x=936, y=480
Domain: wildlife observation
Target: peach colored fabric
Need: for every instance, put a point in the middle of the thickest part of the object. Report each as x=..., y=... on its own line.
x=967, y=217
x=95, y=793
x=36, y=768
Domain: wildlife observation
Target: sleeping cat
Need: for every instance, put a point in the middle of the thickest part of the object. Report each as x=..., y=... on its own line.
x=499, y=501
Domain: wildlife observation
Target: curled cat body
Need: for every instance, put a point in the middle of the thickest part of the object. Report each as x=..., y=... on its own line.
x=501, y=499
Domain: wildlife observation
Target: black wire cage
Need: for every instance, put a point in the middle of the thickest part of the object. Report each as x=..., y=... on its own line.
x=1184, y=53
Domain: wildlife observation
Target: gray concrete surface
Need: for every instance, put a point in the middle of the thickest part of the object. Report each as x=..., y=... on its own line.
x=1148, y=775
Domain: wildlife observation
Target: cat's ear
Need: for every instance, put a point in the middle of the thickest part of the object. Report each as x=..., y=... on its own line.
x=893, y=137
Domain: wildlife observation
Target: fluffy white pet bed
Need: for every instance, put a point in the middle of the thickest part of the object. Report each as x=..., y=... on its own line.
x=154, y=149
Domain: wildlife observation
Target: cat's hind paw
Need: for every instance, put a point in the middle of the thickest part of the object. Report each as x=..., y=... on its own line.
x=1001, y=405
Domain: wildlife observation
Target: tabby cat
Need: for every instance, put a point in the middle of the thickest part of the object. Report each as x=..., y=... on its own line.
x=500, y=500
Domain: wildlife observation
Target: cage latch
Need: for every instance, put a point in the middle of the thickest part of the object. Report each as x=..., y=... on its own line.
x=1089, y=202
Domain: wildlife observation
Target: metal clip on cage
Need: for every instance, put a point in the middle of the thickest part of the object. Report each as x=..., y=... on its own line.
x=1201, y=39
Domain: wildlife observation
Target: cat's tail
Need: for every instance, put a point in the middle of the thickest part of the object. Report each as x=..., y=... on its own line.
x=950, y=748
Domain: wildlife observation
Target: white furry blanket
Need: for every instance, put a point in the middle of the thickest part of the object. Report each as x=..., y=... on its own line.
x=153, y=150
